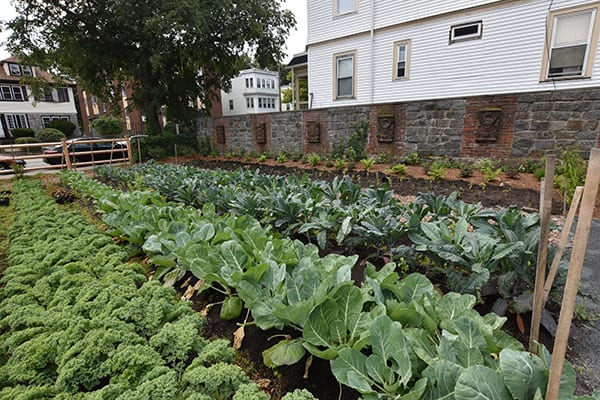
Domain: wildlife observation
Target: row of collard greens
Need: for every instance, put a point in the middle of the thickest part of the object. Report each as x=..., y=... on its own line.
x=77, y=322
x=388, y=338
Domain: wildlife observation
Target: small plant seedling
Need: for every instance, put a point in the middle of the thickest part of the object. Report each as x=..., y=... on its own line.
x=399, y=169
x=368, y=163
x=314, y=159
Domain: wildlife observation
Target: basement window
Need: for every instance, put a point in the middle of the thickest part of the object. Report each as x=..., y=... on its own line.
x=464, y=32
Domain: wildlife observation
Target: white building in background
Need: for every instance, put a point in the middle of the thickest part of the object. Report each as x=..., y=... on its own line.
x=369, y=52
x=17, y=106
x=253, y=91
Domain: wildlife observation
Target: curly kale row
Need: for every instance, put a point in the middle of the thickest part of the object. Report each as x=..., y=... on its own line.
x=78, y=322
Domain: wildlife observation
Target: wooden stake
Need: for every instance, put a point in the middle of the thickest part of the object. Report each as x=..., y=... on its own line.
x=540, y=274
x=564, y=237
x=66, y=154
x=590, y=193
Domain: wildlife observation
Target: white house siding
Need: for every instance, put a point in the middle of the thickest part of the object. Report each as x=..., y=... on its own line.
x=323, y=25
x=239, y=93
x=508, y=58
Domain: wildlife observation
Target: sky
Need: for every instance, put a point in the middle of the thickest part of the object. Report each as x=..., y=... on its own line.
x=295, y=43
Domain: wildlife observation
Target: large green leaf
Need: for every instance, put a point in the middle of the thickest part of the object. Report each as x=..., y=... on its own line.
x=481, y=383
x=316, y=329
x=350, y=369
x=286, y=352
x=453, y=305
x=523, y=373
x=441, y=380
x=388, y=342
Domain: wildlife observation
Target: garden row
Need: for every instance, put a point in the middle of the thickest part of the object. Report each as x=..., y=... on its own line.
x=388, y=338
x=77, y=322
x=473, y=249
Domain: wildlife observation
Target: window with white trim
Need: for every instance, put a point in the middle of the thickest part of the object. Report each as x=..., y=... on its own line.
x=231, y=104
x=401, y=59
x=344, y=75
x=46, y=119
x=14, y=121
x=13, y=93
x=464, y=32
x=63, y=94
x=344, y=6
x=15, y=69
x=572, y=41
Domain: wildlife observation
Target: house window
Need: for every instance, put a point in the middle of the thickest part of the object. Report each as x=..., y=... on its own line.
x=344, y=75
x=401, y=58
x=344, y=6
x=46, y=119
x=15, y=69
x=63, y=94
x=463, y=32
x=16, y=121
x=572, y=40
x=247, y=82
x=27, y=70
x=13, y=93
x=231, y=104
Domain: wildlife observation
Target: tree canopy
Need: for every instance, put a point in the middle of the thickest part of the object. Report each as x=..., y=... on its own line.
x=171, y=53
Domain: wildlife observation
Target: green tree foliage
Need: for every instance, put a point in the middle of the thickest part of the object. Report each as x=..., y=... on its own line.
x=108, y=126
x=171, y=53
x=63, y=125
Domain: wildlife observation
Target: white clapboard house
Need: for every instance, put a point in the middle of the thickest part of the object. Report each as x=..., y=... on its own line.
x=253, y=91
x=18, y=109
x=387, y=51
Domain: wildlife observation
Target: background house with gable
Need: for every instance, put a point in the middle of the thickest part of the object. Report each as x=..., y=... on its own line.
x=17, y=106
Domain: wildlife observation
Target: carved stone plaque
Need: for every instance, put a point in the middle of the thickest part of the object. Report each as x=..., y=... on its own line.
x=220, y=134
x=386, y=129
x=488, y=124
x=313, y=132
x=261, y=134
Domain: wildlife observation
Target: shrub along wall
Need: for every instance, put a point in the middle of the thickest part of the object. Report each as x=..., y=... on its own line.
x=498, y=126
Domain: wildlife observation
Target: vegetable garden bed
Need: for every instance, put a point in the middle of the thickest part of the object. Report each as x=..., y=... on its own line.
x=394, y=334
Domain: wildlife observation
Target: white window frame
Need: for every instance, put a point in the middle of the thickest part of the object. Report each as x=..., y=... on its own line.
x=336, y=78
x=27, y=70
x=46, y=119
x=591, y=43
x=454, y=38
x=18, y=93
x=397, y=61
x=14, y=121
x=339, y=9
x=64, y=98
x=14, y=69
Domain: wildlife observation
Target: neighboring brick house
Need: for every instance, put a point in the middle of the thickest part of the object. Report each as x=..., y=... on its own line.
x=92, y=107
x=17, y=106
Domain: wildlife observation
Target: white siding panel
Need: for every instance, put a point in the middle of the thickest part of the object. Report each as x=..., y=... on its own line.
x=323, y=25
x=507, y=59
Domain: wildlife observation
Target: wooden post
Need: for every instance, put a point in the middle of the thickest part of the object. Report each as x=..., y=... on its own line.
x=129, y=151
x=540, y=275
x=564, y=237
x=66, y=155
x=590, y=193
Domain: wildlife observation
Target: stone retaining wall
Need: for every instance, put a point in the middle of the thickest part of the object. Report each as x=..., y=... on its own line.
x=499, y=126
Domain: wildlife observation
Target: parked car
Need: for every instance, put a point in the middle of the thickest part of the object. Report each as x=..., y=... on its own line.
x=86, y=145
x=7, y=162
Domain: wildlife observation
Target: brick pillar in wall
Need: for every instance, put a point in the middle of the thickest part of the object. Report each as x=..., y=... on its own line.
x=261, y=132
x=387, y=130
x=220, y=134
x=314, y=132
x=489, y=126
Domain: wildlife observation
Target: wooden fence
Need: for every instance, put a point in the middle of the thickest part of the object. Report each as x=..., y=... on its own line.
x=70, y=154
